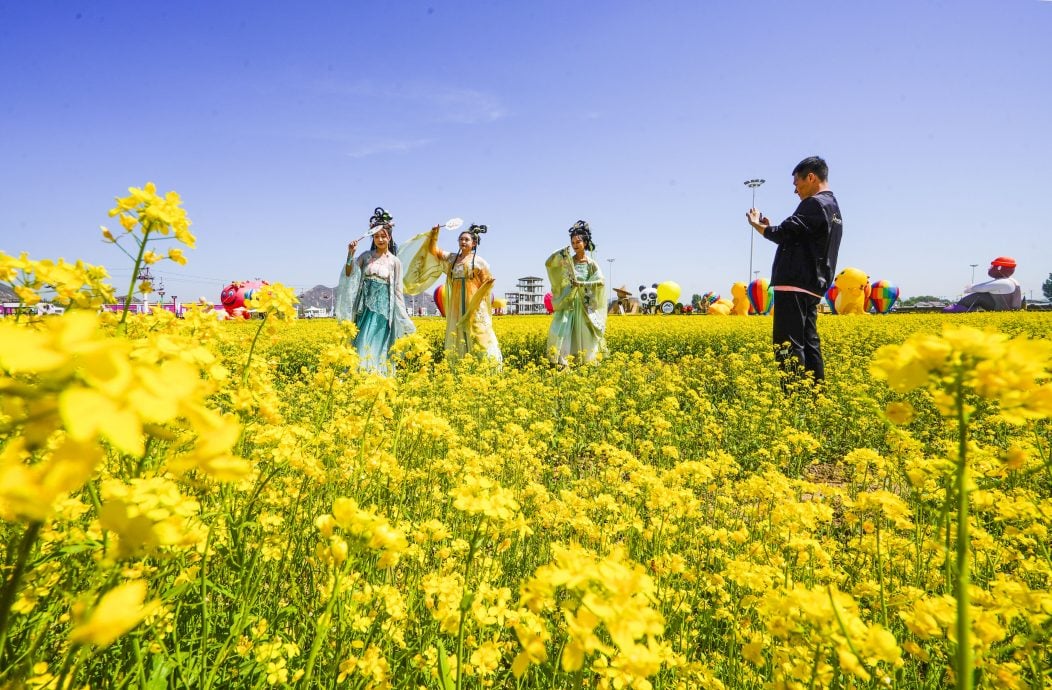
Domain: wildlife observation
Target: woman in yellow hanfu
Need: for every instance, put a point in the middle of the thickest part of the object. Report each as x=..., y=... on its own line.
x=578, y=299
x=469, y=328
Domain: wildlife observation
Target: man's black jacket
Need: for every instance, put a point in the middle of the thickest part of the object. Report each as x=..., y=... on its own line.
x=808, y=243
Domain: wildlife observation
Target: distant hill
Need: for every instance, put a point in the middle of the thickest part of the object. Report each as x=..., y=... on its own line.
x=317, y=296
x=321, y=296
x=7, y=294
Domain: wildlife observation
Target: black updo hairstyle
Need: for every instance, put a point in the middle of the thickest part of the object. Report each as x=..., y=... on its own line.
x=581, y=229
x=475, y=231
x=381, y=217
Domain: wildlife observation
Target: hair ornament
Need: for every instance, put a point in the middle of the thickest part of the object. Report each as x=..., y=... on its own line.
x=475, y=230
x=381, y=217
x=581, y=229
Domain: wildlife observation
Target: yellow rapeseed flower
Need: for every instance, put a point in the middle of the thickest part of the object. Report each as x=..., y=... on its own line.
x=118, y=611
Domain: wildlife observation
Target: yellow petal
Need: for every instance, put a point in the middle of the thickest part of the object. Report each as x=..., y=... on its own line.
x=25, y=350
x=87, y=413
x=573, y=657
x=118, y=611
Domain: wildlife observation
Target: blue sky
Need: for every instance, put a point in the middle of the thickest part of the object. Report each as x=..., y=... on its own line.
x=282, y=125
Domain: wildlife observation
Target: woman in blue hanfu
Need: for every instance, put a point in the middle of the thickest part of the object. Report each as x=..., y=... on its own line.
x=370, y=294
x=578, y=301
x=469, y=328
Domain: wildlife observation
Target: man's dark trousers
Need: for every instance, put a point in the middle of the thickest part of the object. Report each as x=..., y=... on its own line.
x=796, y=332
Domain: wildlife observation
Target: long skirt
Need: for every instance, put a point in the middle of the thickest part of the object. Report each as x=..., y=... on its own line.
x=371, y=341
x=570, y=335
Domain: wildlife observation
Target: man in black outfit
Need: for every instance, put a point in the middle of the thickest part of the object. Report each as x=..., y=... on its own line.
x=804, y=265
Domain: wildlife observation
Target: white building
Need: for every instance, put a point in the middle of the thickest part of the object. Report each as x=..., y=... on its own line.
x=528, y=297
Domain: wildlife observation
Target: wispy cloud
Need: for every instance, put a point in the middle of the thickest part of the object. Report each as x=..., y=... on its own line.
x=416, y=109
x=358, y=144
x=444, y=103
x=465, y=106
x=387, y=146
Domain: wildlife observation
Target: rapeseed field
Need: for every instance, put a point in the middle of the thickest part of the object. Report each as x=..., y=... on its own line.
x=195, y=503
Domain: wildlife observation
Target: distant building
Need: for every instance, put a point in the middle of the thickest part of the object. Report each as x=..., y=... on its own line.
x=315, y=313
x=528, y=297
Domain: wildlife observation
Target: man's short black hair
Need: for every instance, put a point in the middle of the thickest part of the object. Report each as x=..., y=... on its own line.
x=815, y=165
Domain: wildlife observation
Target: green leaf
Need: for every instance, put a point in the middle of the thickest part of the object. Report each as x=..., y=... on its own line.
x=444, y=676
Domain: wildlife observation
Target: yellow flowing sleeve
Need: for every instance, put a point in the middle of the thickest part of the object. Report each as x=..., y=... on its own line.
x=423, y=263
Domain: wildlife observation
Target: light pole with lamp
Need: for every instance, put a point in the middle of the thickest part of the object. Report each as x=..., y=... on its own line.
x=752, y=184
x=610, y=277
x=973, y=272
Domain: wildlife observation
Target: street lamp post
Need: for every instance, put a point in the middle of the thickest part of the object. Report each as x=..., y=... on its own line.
x=610, y=278
x=752, y=184
x=973, y=272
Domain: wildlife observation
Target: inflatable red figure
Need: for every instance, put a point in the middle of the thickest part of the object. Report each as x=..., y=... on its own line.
x=234, y=295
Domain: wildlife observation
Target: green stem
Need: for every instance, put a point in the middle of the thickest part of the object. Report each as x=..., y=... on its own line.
x=251, y=350
x=963, y=583
x=328, y=401
x=814, y=667
x=843, y=628
x=880, y=578
x=465, y=605
x=7, y=598
x=140, y=672
x=69, y=665
x=121, y=327
x=240, y=622
x=321, y=630
x=203, y=574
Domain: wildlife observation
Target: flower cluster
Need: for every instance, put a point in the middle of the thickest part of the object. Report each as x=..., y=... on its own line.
x=274, y=299
x=607, y=607
x=1013, y=372
x=145, y=208
x=76, y=285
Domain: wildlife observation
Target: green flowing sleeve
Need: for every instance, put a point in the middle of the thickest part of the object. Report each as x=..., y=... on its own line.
x=560, y=271
x=597, y=298
x=422, y=262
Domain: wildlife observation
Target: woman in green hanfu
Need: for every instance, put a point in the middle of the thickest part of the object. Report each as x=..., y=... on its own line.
x=578, y=300
x=469, y=327
x=370, y=294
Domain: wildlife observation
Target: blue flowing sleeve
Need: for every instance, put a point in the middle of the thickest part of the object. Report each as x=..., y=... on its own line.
x=347, y=289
